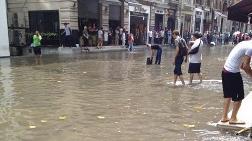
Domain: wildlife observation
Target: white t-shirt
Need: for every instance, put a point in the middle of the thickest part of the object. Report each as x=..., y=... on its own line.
x=150, y=34
x=100, y=34
x=234, y=59
x=196, y=58
x=162, y=33
x=123, y=36
x=67, y=31
x=105, y=36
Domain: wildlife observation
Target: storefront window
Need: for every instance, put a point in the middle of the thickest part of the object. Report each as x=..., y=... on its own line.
x=114, y=22
x=47, y=23
x=138, y=26
x=158, y=22
x=88, y=12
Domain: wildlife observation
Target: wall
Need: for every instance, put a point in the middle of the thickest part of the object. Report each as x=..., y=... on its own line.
x=4, y=40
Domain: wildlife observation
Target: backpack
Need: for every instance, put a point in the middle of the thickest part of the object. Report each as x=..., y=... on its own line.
x=182, y=47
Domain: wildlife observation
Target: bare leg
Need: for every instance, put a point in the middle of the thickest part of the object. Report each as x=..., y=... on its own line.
x=191, y=78
x=182, y=79
x=200, y=77
x=175, y=80
x=225, y=109
x=36, y=60
x=236, y=107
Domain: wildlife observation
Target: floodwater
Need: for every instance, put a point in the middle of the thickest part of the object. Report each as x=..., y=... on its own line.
x=110, y=97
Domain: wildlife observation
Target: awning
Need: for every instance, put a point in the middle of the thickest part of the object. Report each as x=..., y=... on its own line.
x=114, y=2
x=133, y=2
x=240, y=11
x=198, y=9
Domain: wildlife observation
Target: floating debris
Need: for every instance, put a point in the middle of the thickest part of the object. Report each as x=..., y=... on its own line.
x=189, y=125
x=100, y=117
x=58, y=81
x=32, y=127
x=62, y=117
x=84, y=72
x=43, y=121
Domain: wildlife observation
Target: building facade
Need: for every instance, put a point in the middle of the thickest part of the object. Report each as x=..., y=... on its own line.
x=135, y=16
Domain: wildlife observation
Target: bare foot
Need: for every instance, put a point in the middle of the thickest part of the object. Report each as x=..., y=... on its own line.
x=224, y=120
x=236, y=122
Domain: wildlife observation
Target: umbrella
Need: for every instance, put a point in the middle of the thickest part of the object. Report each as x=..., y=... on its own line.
x=240, y=11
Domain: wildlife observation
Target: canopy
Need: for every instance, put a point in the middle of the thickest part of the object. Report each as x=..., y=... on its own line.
x=240, y=11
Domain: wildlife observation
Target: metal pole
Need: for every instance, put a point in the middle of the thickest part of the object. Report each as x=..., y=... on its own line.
x=4, y=40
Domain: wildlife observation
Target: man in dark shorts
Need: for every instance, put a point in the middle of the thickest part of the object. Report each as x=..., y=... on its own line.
x=178, y=60
x=239, y=58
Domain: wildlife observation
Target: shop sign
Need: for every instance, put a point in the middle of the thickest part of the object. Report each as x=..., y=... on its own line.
x=198, y=14
x=140, y=9
x=159, y=11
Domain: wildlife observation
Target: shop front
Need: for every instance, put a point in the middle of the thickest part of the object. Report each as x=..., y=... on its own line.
x=198, y=20
x=159, y=18
x=47, y=23
x=88, y=13
x=171, y=19
x=139, y=16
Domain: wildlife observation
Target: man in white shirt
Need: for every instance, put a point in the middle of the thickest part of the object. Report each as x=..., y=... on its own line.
x=239, y=58
x=161, y=36
x=67, y=35
x=195, y=57
x=150, y=35
x=100, y=38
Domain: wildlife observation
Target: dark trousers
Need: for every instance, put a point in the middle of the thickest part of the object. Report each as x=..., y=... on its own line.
x=150, y=40
x=159, y=56
x=67, y=42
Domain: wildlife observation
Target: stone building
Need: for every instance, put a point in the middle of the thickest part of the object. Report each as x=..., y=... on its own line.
x=135, y=16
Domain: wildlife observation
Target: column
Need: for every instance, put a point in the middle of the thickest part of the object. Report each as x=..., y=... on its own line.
x=4, y=40
x=152, y=17
x=126, y=16
x=105, y=16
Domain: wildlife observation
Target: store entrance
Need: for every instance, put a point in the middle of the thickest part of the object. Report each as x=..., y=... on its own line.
x=138, y=26
x=158, y=22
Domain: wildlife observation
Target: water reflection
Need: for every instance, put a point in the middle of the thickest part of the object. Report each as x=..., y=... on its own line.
x=109, y=96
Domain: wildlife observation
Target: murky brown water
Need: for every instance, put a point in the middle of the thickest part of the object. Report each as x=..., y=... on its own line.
x=109, y=97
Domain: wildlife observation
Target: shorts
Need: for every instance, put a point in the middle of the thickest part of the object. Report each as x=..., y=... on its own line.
x=37, y=50
x=178, y=63
x=194, y=67
x=232, y=86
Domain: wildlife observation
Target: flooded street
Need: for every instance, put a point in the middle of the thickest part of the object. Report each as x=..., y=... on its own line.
x=110, y=96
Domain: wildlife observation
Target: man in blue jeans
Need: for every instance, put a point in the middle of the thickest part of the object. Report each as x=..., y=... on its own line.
x=159, y=50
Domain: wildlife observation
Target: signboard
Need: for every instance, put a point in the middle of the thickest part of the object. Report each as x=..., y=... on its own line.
x=157, y=11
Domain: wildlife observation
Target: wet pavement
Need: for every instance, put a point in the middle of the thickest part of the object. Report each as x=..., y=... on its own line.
x=111, y=96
